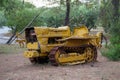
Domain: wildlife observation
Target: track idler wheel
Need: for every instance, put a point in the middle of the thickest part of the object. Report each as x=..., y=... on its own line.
x=91, y=53
x=52, y=56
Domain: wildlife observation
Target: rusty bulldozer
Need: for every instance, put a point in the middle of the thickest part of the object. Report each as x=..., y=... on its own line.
x=61, y=46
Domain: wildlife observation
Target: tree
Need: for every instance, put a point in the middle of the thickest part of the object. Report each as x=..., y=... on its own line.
x=67, y=12
x=14, y=11
x=112, y=18
x=115, y=4
x=84, y=14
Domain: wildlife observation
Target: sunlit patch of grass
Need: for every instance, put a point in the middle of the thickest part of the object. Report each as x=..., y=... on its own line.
x=8, y=49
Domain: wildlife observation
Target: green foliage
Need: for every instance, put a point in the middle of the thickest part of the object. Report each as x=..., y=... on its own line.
x=115, y=30
x=79, y=14
x=52, y=17
x=28, y=5
x=111, y=22
x=2, y=19
x=106, y=15
x=21, y=18
x=112, y=52
x=18, y=14
x=82, y=14
x=91, y=18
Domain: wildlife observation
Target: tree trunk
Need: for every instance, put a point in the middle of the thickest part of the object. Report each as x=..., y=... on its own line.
x=67, y=12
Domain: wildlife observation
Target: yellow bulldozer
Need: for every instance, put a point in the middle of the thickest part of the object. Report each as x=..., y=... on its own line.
x=60, y=45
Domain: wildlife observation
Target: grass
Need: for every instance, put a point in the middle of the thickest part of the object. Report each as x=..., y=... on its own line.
x=112, y=53
x=8, y=49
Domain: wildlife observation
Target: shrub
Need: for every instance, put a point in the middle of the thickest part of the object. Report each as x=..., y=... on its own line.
x=112, y=52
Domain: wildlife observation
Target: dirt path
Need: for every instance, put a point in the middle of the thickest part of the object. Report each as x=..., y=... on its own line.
x=16, y=67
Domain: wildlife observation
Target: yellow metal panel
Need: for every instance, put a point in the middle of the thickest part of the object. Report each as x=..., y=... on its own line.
x=81, y=31
x=43, y=54
x=77, y=42
x=52, y=32
x=43, y=41
x=44, y=48
x=44, y=33
x=71, y=58
x=33, y=45
x=30, y=54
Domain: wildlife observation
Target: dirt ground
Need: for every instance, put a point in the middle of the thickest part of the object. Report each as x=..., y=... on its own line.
x=16, y=67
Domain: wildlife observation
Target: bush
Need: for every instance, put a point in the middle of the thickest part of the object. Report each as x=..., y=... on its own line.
x=112, y=52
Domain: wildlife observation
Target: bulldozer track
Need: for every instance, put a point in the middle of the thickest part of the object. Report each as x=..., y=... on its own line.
x=63, y=49
x=52, y=56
